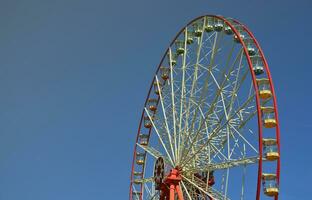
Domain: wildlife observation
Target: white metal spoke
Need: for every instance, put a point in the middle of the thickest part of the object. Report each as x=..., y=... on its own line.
x=186, y=190
x=173, y=105
x=183, y=89
x=216, y=130
x=165, y=118
x=160, y=138
x=156, y=154
x=200, y=185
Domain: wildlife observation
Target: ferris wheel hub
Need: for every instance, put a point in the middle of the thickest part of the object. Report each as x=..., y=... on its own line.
x=171, y=185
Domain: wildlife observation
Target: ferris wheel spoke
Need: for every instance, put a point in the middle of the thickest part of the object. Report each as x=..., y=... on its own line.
x=197, y=64
x=227, y=118
x=230, y=126
x=150, y=194
x=249, y=117
x=144, y=180
x=196, y=185
x=234, y=95
x=244, y=139
x=136, y=192
x=241, y=119
x=224, y=140
x=221, y=87
x=211, y=64
x=154, y=197
x=219, y=93
x=156, y=154
x=245, y=104
x=159, y=136
x=183, y=89
x=173, y=104
x=214, y=52
x=184, y=188
x=201, y=186
x=226, y=165
x=165, y=118
x=195, y=77
x=244, y=177
x=203, y=117
x=215, y=131
x=237, y=84
x=201, y=124
x=222, y=143
x=218, y=152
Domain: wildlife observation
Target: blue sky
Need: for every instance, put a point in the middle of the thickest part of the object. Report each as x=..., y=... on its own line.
x=74, y=75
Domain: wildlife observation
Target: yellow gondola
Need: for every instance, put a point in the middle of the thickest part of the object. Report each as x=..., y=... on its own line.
x=269, y=120
x=269, y=184
x=140, y=158
x=264, y=88
x=270, y=149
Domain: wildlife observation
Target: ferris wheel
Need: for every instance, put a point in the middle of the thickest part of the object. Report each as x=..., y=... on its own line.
x=209, y=127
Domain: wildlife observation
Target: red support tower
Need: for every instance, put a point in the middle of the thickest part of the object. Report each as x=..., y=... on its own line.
x=171, y=185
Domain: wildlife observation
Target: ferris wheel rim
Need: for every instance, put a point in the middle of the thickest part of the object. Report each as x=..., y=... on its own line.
x=273, y=96
x=258, y=105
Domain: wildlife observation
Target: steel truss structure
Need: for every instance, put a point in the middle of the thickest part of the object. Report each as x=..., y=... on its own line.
x=211, y=116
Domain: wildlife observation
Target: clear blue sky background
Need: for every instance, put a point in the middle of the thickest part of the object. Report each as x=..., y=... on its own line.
x=74, y=75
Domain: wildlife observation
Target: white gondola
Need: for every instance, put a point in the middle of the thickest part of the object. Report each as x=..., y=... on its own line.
x=228, y=30
x=240, y=31
x=250, y=45
x=172, y=60
x=179, y=47
x=257, y=64
x=209, y=26
x=190, y=37
x=198, y=29
x=218, y=25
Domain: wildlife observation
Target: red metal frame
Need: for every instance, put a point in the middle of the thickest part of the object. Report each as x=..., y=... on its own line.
x=171, y=186
x=171, y=178
x=274, y=100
